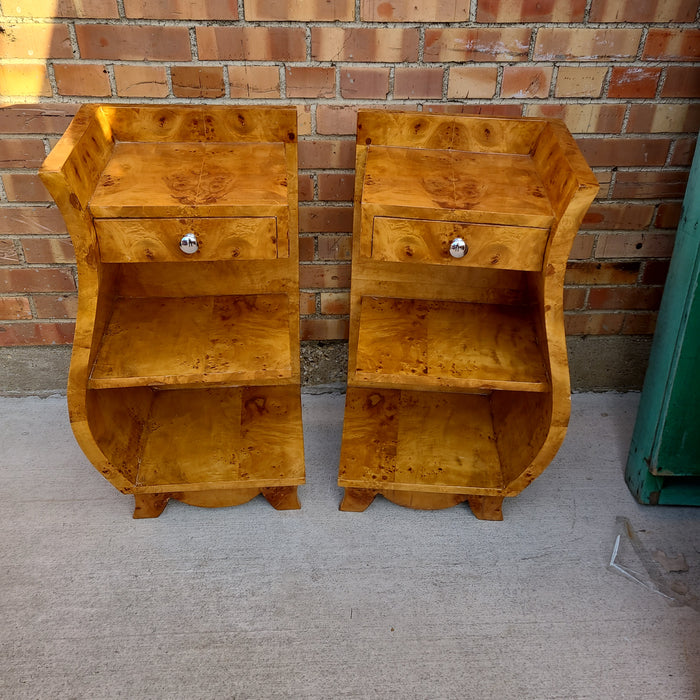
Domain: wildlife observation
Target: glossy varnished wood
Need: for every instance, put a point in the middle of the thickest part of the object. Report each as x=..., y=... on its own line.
x=414, y=343
x=186, y=340
x=219, y=328
x=458, y=373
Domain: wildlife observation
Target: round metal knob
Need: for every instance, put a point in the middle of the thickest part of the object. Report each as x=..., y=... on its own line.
x=188, y=243
x=458, y=248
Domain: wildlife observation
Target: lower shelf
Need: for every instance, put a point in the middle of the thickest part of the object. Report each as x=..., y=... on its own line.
x=440, y=443
x=201, y=439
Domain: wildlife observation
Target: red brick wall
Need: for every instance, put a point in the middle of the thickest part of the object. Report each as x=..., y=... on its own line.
x=623, y=74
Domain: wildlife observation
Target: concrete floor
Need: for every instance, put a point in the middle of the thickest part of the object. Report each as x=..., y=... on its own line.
x=248, y=602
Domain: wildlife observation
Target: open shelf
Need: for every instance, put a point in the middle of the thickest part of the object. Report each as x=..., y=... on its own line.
x=195, y=340
x=202, y=439
x=452, y=346
x=419, y=441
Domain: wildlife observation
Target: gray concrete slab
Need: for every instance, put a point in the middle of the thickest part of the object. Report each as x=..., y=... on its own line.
x=249, y=602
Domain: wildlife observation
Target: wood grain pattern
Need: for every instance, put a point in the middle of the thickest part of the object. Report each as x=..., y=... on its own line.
x=195, y=340
x=229, y=316
x=477, y=187
x=158, y=240
x=419, y=441
x=421, y=323
x=428, y=242
x=423, y=344
x=192, y=179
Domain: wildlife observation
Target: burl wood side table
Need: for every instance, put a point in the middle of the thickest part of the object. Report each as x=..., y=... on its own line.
x=458, y=381
x=184, y=380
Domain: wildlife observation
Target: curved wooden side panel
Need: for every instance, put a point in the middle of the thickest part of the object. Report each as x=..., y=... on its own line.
x=70, y=174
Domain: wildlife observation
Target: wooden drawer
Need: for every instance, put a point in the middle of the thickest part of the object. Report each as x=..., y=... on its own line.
x=158, y=240
x=422, y=241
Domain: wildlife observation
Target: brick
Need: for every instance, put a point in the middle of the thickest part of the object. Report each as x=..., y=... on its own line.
x=324, y=328
x=639, y=323
x=245, y=43
x=583, y=118
x=672, y=45
x=14, y=308
x=28, y=220
x=582, y=247
x=624, y=298
x=181, y=9
x=472, y=82
x=485, y=44
x=30, y=79
x=633, y=82
x=36, y=280
x=56, y=306
x=564, y=44
x=595, y=273
x=94, y=9
x=299, y=10
x=197, y=81
x=411, y=11
x=334, y=153
x=593, y=324
x=324, y=276
x=306, y=248
x=21, y=153
x=333, y=120
x=13, y=334
x=360, y=82
x=36, y=118
x=580, y=81
x=683, y=151
x=486, y=110
x=254, y=81
x=635, y=245
x=604, y=178
x=643, y=11
x=306, y=187
x=310, y=81
x=668, y=215
x=8, y=252
x=35, y=41
x=526, y=81
x=133, y=43
x=319, y=219
x=662, y=118
x=25, y=187
x=574, y=298
x=624, y=151
x=307, y=303
x=681, y=81
x=650, y=185
x=304, y=123
x=141, y=81
x=336, y=187
x=631, y=217
x=48, y=250
x=418, y=83
x=86, y=79
x=530, y=11
x=364, y=44
x=335, y=247
x=335, y=303
x=655, y=272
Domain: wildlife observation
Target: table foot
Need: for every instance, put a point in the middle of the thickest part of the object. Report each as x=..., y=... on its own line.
x=150, y=505
x=357, y=500
x=486, y=507
x=282, y=497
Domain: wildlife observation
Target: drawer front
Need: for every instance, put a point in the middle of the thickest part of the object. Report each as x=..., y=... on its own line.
x=158, y=240
x=428, y=242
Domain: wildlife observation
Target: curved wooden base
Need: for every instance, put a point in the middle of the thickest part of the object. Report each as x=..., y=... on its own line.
x=151, y=505
x=483, y=507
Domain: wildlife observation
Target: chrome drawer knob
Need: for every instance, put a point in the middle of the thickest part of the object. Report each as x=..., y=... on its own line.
x=188, y=243
x=458, y=248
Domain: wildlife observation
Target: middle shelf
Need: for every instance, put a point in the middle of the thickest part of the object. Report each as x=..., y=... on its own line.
x=195, y=340
x=454, y=346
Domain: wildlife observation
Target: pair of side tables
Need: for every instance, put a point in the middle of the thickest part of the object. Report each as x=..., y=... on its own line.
x=184, y=381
